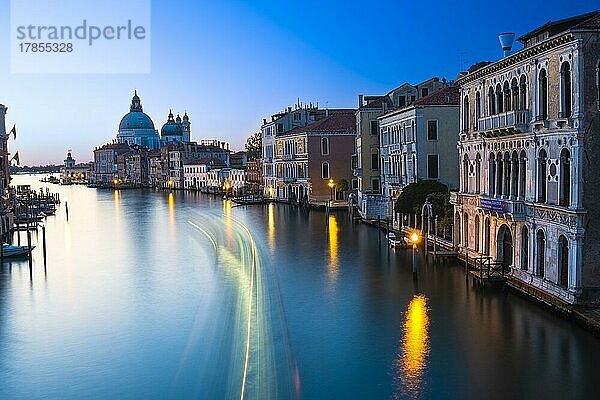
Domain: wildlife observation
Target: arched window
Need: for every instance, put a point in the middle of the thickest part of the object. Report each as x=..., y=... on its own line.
x=540, y=252
x=478, y=173
x=486, y=236
x=514, y=169
x=565, y=90
x=507, y=96
x=514, y=90
x=524, y=248
x=543, y=95
x=507, y=174
x=523, y=93
x=466, y=173
x=563, y=261
x=325, y=170
x=466, y=115
x=542, y=176
x=457, y=230
x=499, y=174
x=565, y=178
x=522, y=173
x=492, y=175
x=324, y=146
x=477, y=233
x=466, y=230
x=499, y=99
x=477, y=107
x=491, y=101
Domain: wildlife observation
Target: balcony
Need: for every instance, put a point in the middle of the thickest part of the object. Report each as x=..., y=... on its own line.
x=506, y=123
x=287, y=157
x=514, y=207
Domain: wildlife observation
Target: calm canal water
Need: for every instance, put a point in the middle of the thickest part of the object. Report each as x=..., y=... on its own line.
x=184, y=296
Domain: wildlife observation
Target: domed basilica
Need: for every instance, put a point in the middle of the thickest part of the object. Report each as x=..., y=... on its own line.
x=136, y=127
x=176, y=130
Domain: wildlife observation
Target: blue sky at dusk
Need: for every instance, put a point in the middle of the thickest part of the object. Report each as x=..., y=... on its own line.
x=230, y=64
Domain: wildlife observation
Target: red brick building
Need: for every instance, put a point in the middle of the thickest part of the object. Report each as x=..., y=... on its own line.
x=306, y=158
x=254, y=176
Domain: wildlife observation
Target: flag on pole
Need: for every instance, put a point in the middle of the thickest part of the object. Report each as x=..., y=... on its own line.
x=16, y=158
x=13, y=131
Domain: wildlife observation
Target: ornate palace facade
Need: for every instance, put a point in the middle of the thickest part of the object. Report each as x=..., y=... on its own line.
x=528, y=154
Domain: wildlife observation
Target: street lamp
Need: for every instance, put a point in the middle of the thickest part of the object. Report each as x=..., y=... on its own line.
x=226, y=186
x=331, y=185
x=414, y=239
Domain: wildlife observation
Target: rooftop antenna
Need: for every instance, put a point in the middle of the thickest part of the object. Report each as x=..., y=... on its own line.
x=506, y=41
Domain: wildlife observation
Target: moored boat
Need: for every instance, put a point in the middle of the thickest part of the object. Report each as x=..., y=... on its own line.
x=394, y=241
x=246, y=200
x=9, y=250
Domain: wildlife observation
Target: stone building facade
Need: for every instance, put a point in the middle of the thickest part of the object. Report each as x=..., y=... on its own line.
x=307, y=157
x=280, y=123
x=528, y=156
x=366, y=161
x=419, y=142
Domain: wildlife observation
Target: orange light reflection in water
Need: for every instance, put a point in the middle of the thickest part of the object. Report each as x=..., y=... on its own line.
x=333, y=232
x=412, y=360
x=171, y=204
x=271, y=226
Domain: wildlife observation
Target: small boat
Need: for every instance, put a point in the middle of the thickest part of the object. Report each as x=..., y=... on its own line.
x=8, y=250
x=393, y=240
x=248, y=200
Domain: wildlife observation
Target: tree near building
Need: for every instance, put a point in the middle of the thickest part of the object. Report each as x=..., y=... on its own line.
x=341, y=185
x=254, y=146
x=413, y=196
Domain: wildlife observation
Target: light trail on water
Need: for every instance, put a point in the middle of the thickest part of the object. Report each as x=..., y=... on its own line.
x=239, y=256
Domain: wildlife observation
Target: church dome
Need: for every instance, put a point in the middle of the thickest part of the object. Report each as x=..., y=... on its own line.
x=171, y=128
x=136, y=118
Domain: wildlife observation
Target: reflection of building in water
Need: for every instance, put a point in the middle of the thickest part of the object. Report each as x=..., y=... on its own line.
x=412, y=360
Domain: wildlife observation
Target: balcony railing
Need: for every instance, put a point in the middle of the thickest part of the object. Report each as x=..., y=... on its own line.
x=514, y=207
x=508, y=122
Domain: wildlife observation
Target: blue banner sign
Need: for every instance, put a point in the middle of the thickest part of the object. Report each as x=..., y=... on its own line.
x=493, y=205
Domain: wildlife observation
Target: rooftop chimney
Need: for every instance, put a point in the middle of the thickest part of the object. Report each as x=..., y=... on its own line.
x=506, y=41
x=360, y=100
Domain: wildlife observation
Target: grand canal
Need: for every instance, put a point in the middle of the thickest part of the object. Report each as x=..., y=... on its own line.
x=180, y=295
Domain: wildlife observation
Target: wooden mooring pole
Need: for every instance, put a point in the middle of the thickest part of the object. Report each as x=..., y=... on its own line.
x=435, y=237
x=44, y=243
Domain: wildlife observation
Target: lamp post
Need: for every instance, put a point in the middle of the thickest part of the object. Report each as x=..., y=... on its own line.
x=414, y=239
x=331, y=185
x=226, y=186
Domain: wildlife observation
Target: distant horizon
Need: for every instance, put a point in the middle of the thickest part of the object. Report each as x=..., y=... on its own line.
x=231, y=64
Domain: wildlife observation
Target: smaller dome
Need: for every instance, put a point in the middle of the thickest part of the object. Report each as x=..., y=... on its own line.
x=185, y=117
x=171, y=128
x=178, y=119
